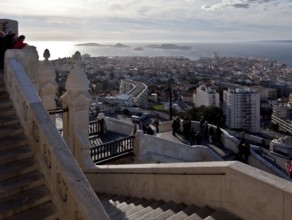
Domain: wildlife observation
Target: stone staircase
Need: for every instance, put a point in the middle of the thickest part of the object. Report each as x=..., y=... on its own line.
x=23, y=194
x=123, y=207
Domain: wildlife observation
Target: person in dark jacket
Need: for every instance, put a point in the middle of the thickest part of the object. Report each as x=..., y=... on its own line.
x=6, y=42
x=10, y=40
x=175, y=126
x=2, y=51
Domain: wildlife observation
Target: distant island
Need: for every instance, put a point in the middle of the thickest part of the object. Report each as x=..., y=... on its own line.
x=278, y=41
x=169, y=47
x=118, y=45
x=89, y=44
x=138, y=48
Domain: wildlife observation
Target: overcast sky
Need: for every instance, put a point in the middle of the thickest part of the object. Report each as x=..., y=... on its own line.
x=151, y=20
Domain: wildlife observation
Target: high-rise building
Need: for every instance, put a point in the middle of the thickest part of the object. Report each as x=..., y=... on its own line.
x=242, y=109
x=206, y=96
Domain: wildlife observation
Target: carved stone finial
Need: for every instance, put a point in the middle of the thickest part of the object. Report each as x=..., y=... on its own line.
x=47, y=54
x=77, y=80
x=77, y=57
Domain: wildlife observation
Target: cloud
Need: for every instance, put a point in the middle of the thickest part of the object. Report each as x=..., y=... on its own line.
x=152, y=19
x=241, y=4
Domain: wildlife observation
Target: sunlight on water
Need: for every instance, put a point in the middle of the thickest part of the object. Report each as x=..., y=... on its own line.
x=58, y=49
x=272, y=50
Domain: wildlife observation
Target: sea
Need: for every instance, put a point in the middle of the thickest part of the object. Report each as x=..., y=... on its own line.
x=273, y=50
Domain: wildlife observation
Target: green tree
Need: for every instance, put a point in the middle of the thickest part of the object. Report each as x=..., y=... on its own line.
x=213, y=115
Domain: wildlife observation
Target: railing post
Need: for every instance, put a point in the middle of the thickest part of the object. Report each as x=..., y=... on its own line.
x=136, y=143
x=76, y=120
x=47, y=85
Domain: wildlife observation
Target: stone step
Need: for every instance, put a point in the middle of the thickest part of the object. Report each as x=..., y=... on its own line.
x=201, y=213
x=11, y=130
x=131, y=208
x=221, y=214
x=139, y=214
x=20, y=183
x=134, y=207
x=152, y=214
x=15, y=154
x=173, y=209
x=46, y=211
x=4, y=95
x=122, y=207
x=4, y=103
x=24, y=201
x=111, y=203
x=186, y=212
x=9, y=142
x=7, y=111
x=138, y=209
x=8, y=120
x=16, y=168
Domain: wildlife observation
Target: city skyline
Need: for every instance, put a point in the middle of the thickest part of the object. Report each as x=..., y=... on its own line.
x=151, y=20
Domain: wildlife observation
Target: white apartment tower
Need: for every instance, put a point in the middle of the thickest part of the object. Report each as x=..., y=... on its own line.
x=206, y=96
x=242, y=109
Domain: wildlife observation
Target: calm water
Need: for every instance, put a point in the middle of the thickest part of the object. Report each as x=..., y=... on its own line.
x=281, y=51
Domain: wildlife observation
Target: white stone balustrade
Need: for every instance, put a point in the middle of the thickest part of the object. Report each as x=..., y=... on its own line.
x=29, y=59
x=76, y=120
x=46, y=80
x=71, y=193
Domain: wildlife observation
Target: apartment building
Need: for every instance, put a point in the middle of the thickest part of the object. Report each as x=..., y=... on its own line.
x=242, y=109
x=206, y=96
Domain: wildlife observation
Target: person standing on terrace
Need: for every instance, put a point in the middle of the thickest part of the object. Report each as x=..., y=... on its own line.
x=19, y=44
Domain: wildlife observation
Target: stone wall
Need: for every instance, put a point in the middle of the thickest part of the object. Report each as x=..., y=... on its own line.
x=242, y=190
x=149, y=148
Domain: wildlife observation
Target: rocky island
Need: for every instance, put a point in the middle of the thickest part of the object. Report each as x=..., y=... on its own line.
x=89, y=44
x=169, y=47
x=118, y=45
x=138, y=48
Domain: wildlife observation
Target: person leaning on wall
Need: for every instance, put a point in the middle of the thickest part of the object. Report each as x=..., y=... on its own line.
x=19, y=44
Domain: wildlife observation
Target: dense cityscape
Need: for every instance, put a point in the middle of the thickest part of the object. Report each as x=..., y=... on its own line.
x=272, y=80
x=146, y=137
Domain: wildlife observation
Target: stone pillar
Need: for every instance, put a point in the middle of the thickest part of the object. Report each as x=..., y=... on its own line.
x=138, y=140
x=76, y=120
x=47, y=85
x=30, y=62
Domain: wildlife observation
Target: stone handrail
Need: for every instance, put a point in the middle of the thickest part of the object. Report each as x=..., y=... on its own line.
x=230, y=142
x=242, y=190
x=71, y=193
x=118, y=126
x=259, y=162
x=157, y=149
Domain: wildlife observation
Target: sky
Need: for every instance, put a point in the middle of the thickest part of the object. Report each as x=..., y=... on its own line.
x=151, y=20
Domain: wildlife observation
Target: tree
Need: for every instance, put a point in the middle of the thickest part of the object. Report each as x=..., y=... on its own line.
x=213, y=115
